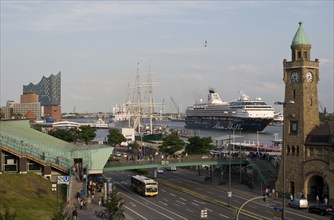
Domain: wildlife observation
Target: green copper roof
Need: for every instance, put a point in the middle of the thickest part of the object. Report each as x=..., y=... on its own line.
x=300, y=37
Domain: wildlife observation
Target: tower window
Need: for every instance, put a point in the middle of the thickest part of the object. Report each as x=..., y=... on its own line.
x=288, y=151
x=294, y=93
x=305, y=55
x=311, y=103
x=299, y=55
x=293, y=150
x=293, y=127
x=297, y=150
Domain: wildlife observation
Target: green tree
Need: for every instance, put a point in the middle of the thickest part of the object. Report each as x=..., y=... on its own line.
x=62, y=134
x=37, y=127
x=115, y=137
x=114, y=206
x=86, y=133
x=60, y=213
x=2, y=115
x=7, y=213
x=199, y=145
x=171, y=144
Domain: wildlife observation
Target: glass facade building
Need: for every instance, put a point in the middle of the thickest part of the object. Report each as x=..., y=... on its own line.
x=48, y=90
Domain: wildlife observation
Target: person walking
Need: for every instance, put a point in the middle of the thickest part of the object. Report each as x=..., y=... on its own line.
x=74, y=213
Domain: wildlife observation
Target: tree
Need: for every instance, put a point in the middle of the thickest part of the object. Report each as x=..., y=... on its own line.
x=171, y=144
x=61, y=213
x=199, y=145
x=114, y=206
x=86, y=133
x=115, y=137
x=62, y=134
x=8, y=214
x=2, y=115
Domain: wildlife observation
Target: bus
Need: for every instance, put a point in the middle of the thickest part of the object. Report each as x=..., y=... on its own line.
x=144, y=185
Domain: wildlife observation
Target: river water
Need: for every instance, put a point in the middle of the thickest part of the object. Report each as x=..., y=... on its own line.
x=264, y=137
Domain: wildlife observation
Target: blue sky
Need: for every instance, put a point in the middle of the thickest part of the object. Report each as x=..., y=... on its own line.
x=97, y=45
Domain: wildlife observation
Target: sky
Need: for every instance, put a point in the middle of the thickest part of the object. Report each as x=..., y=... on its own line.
x=97, y=46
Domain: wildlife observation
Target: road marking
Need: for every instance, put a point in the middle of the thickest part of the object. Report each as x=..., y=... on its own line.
x=180, y=202
x=253, y=207
x=135, y=212
x=165, y=199
x=163, y=190
x=224, y=216
x=172, y=194
x=203, y=203
x=163, y=203
x=208, y=209
x=195, y=204
x=183, y=199
x=132, y=204
x=189, y=210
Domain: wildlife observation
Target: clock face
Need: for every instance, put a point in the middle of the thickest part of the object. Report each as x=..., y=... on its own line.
x=309, y=77
x=295, y=77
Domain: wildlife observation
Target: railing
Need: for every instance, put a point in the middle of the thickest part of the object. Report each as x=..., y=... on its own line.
x=33, y=149
x=191, y=160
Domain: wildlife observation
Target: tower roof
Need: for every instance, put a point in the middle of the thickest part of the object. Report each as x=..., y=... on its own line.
x=300, y=37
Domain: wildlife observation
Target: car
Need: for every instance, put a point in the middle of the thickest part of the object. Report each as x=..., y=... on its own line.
x=160, y=171
x=322, y=209
x=299, y=203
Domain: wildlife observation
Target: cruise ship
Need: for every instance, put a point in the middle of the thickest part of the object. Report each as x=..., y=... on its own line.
x=244, y=114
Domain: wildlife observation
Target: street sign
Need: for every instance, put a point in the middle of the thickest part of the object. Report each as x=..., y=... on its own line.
x=229, y=194
x=54, y=187
x=63, y=180
x=204, y=213
x=277, y=213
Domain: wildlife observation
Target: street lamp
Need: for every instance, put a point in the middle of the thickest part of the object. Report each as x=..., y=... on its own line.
x=283, y=154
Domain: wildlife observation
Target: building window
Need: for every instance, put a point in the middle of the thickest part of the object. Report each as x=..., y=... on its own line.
x=293, y=150
x=305, y=55
x=299, y=55
x=297, y=150
x=293, y=127
x=294, y=93
x=311, y=152
x=319, y=152
x=288, y=150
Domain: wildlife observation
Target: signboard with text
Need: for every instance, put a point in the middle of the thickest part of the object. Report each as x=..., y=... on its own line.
x=63, y=180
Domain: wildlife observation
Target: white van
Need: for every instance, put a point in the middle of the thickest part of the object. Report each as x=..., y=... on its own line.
x=172, y=168
x=299, y=203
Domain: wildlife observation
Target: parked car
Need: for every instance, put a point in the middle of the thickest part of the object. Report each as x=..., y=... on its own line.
x=160, y=171
x=299, y=203
x=322, y=209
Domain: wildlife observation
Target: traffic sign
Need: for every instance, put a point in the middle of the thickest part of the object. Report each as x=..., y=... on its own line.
x=63, y=180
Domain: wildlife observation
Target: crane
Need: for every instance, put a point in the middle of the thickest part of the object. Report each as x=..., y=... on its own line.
x=176, y=107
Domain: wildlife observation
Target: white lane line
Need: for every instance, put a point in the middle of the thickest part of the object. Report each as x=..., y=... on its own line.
x=183, y=199
x=163, y=190
x=135, y=212
x=209, y=209
x=172, y=194
x=132, y=204
x=165, y=199
x=195, y=204
x=180, y=202
x=189, y=210
x=203, y=203
x=163, y=203
x=224, y=216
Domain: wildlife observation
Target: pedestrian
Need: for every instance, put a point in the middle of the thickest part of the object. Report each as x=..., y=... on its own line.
x=81, y=203
x=291, y=197
x=74, y=213
x=273, y=192
x=100, y=201
x=317, y=199
x=325, y=200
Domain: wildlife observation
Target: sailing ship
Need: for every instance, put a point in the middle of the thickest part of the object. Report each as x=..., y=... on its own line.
x=138, y=112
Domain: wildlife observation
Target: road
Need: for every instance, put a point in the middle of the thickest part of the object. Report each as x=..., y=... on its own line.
x=172, y=203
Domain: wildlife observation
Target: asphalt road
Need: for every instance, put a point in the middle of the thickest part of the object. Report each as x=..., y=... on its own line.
x=171, y=203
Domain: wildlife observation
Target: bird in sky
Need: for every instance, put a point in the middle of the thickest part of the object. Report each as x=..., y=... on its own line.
x=205, y=43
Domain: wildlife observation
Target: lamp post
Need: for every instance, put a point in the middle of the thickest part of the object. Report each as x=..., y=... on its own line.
x=283, y=154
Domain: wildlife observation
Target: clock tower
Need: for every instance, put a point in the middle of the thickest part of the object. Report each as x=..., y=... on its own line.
x=300, y=76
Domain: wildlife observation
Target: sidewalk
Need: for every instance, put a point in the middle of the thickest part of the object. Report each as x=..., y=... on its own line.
x=88, y=212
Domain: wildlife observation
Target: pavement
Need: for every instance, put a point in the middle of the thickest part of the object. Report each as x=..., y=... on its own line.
x=88, y=212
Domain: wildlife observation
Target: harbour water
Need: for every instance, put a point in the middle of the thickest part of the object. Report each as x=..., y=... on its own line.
x=264, y=137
